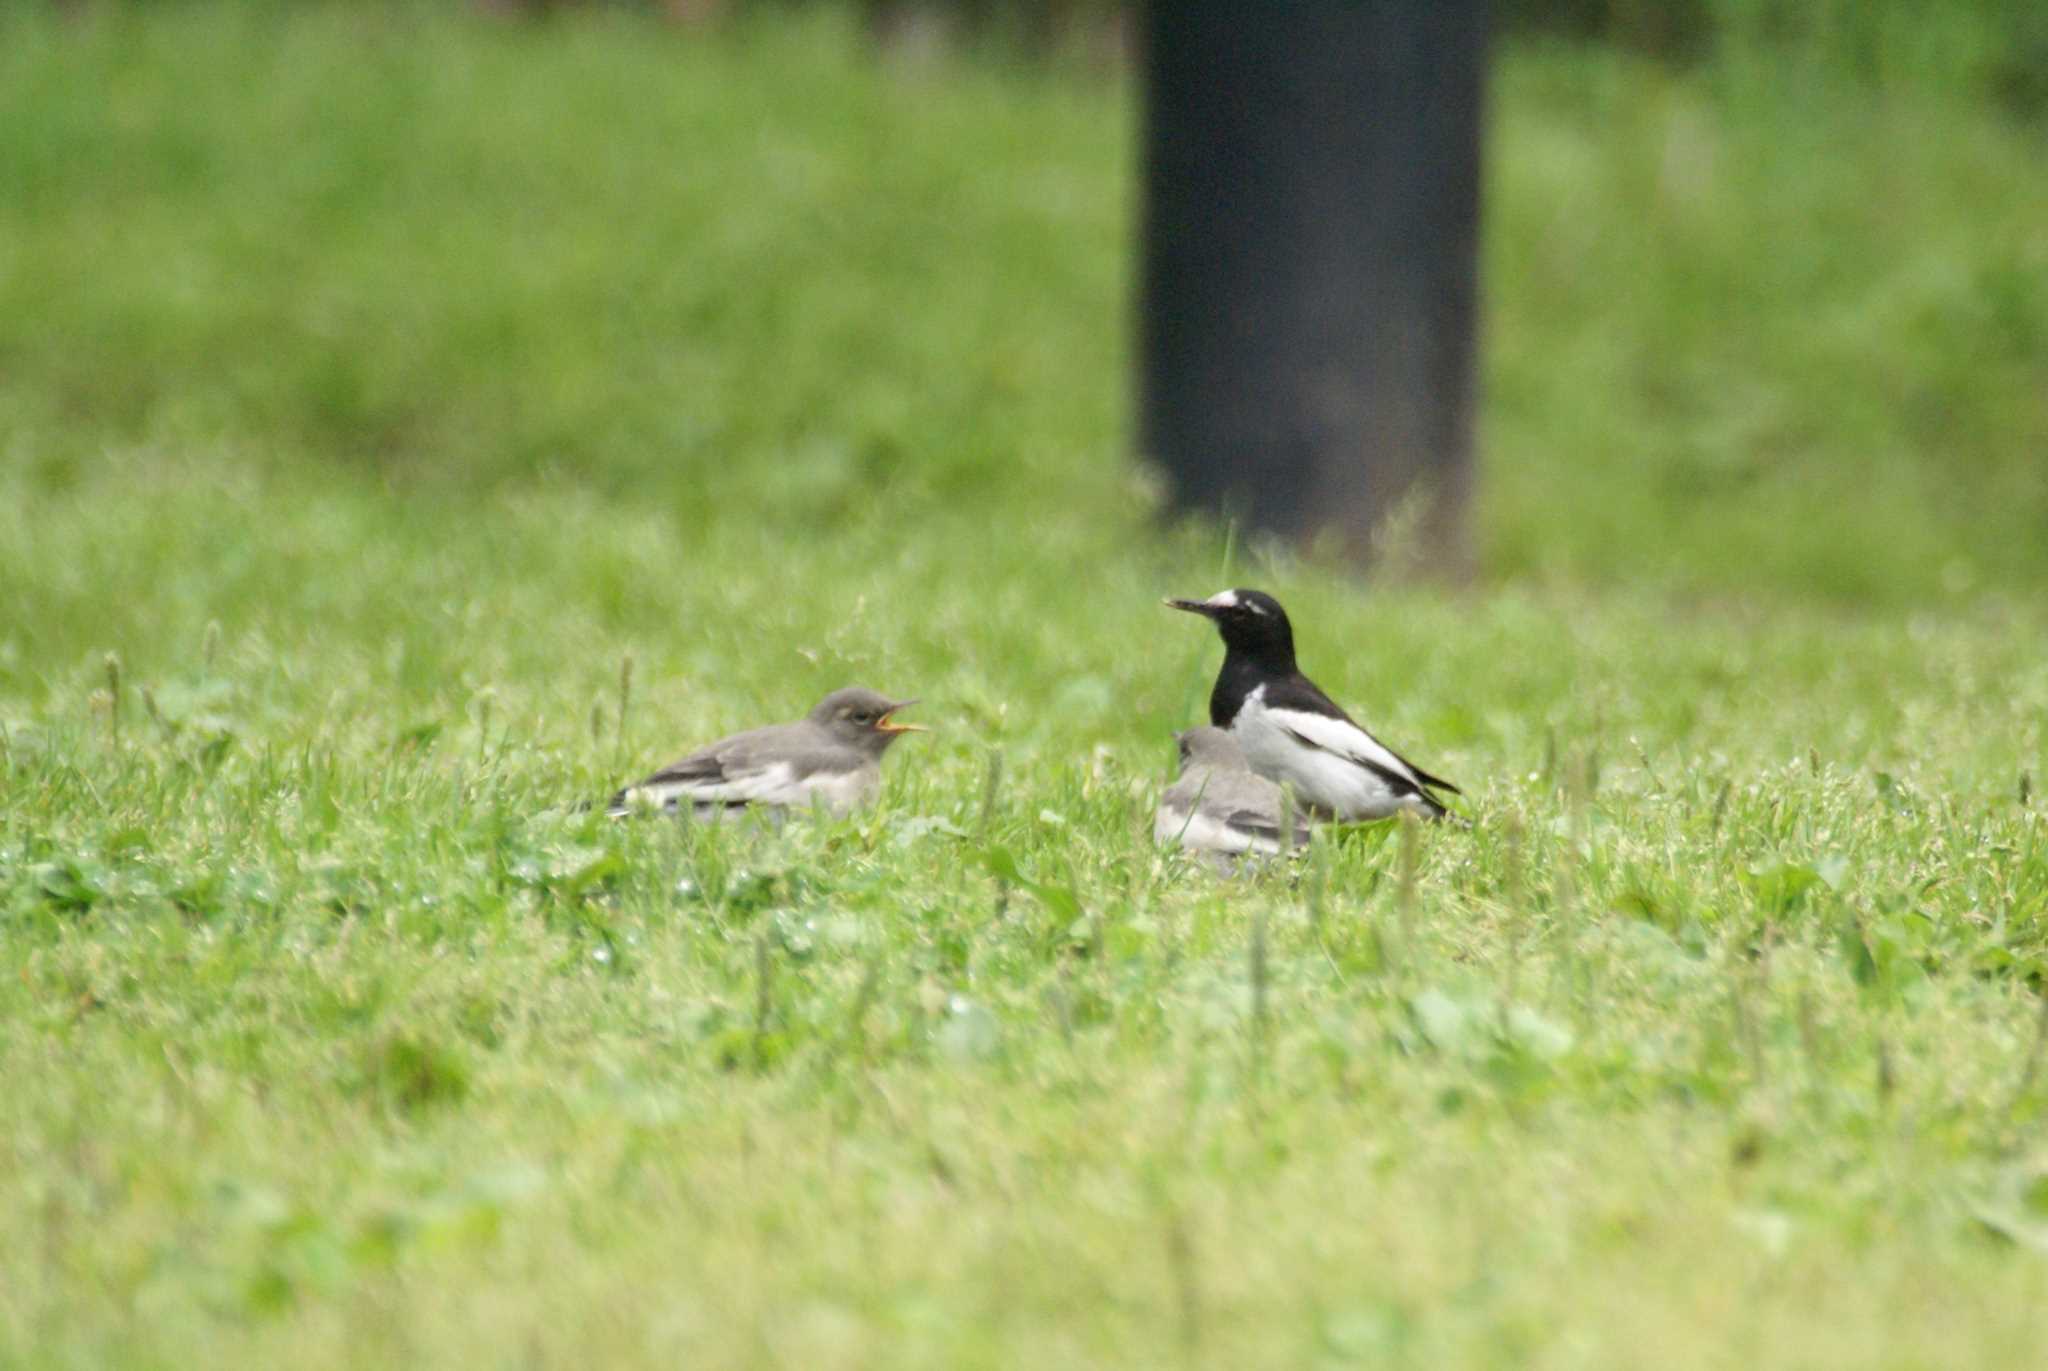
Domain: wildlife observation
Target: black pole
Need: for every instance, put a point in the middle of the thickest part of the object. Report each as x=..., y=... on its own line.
x=1310, y=269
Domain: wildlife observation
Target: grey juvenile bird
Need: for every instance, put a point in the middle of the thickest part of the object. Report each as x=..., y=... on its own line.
x=832, y=758
x=1218, y=804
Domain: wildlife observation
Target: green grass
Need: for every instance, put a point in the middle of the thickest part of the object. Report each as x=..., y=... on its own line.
x=373, y=389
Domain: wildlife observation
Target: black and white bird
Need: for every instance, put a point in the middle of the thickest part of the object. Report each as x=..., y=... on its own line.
x=1294, y=734
x=831, y=759
x=1219, y=804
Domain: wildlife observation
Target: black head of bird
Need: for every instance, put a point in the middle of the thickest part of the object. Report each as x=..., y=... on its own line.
x=860, y=717
x=1252, y=624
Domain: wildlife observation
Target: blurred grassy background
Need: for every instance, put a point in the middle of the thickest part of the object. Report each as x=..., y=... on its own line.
x=1771, y=320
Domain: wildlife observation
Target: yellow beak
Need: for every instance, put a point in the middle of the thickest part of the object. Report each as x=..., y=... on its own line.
x=887, y=725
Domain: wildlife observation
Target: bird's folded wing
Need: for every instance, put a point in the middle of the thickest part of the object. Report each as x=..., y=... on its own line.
x=1260, y=824
x=1317, y=720
x=722, y=775
x=1346, y=739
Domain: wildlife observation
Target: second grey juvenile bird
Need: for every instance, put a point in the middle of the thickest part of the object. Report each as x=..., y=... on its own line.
x=832, y=759
x=1219, y=804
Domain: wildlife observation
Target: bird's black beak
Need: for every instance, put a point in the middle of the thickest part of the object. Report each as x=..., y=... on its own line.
x=1201, y=607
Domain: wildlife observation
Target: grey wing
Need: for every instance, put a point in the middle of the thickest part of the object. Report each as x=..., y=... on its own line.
x=1254, y=804
x=1254, y=822
x=733, y=772
x=1263, y=823
x=1252, y=807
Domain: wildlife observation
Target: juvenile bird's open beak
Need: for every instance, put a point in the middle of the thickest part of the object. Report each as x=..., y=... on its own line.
x=887, y=725
x=1201, y=607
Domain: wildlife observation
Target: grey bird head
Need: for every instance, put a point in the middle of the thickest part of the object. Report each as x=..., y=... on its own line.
x=1252, y=624
x=859, y=717
x=1210, y=749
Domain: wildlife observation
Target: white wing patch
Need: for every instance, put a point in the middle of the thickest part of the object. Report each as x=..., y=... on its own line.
x=1348, y=740
x=1324, y=759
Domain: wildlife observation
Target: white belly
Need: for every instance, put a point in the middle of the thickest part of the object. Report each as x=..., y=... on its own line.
x=1322, y=779
x=843, y=794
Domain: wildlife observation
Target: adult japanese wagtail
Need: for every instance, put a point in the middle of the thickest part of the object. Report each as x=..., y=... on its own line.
x=832, y=758
x=1219, y=804
x=1294, y=734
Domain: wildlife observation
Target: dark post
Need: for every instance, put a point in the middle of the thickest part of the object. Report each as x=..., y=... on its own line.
x=1311, y=224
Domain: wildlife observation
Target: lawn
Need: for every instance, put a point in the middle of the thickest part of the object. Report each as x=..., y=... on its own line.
x=412, y=427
